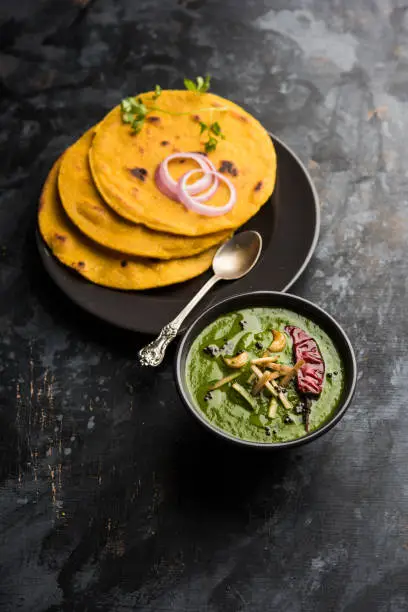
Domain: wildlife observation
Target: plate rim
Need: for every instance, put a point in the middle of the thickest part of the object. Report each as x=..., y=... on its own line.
x=45, y=251
x=316, y=201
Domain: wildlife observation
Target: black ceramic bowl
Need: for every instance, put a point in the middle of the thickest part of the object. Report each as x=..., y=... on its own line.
x=270, y=299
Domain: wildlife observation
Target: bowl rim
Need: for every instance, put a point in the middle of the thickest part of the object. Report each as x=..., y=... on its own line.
x=179, y=371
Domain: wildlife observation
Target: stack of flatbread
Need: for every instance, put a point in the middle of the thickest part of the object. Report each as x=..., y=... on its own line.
x=102, y=214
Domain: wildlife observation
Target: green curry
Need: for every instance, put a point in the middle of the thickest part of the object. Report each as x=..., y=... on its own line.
x=278, y=412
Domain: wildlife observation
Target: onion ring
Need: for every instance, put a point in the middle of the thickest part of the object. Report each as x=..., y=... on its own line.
x=195, y=205
x=168, y=185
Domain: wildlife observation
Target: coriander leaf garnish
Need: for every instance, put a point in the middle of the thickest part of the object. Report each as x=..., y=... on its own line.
x=211, y=144
x=135, y=110
x=137, y=125
x=206, y=84
x=126, y=105
x=190, y=85
x=157, y=92
x=215, y=134
x=216, y=129
x=201, y=86
x=127, y=117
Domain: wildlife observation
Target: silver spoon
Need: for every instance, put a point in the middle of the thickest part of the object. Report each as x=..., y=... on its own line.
x=233, y=260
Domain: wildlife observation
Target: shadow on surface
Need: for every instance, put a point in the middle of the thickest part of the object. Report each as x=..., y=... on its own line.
x=214, y=477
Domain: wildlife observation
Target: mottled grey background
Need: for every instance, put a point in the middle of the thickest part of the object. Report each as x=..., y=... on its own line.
x=111, y=499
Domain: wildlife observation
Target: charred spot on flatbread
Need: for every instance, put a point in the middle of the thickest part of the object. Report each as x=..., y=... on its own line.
x=139, y=173
x=228, y=167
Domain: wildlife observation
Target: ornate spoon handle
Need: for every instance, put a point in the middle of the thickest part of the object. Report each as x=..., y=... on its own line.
x=153, y=353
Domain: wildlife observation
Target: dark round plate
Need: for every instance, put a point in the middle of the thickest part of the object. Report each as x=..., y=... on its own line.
x=289, y=224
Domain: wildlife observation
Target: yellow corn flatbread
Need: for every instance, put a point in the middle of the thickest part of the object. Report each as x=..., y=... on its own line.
x=87, y=210
x=101, y=265
x=123, y=164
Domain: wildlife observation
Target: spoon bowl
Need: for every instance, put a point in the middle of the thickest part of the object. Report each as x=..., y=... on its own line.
x=238, y=256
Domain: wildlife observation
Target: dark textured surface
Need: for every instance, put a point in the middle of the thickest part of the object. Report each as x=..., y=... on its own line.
x=111, y=499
